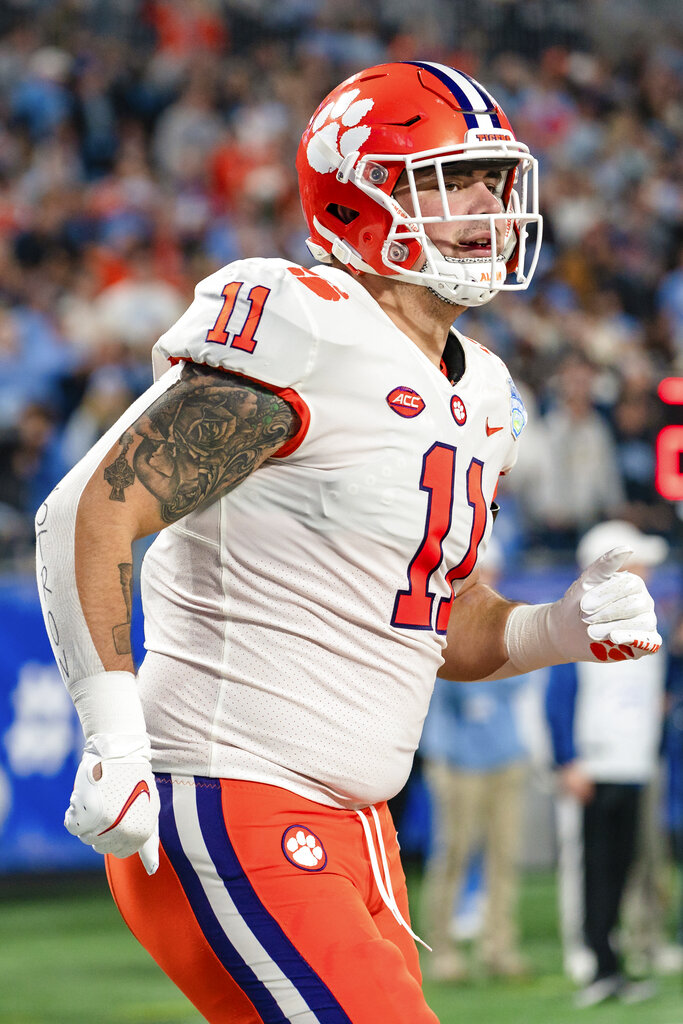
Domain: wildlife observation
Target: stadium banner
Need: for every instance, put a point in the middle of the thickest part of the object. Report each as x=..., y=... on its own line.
x=40, y=740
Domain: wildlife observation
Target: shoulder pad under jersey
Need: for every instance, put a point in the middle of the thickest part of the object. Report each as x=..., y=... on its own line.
x=252, y=317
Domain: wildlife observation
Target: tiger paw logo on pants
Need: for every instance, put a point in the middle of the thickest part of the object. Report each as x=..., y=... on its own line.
x=303, y=849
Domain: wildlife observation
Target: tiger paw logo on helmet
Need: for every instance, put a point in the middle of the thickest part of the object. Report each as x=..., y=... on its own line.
x=338, y=125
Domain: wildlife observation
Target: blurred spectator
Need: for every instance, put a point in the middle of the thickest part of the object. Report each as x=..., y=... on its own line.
x=33, y=358
x=673, y=753
x=30, y=466
x=136, y=310
x=474, y=763
x=605, y=723
x=183, y=29
x=94, y=119
x=670, y=303
x=40, y=101
x=107, y=396
x=188, y=130
x=578, y=477
x=636, y=420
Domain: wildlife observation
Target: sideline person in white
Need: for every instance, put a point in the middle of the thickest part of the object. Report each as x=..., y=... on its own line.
x=605, y=723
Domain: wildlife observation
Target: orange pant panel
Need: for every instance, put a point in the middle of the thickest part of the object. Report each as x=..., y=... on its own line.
x=324, y=934
x=157, y=912
x=335, y=917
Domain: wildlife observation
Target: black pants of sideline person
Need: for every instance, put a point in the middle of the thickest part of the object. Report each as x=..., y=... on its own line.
x=610, y=822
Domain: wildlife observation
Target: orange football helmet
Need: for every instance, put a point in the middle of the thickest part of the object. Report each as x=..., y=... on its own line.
x=397, y=119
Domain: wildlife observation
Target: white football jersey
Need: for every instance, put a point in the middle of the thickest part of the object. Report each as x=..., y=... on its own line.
x=295, y=627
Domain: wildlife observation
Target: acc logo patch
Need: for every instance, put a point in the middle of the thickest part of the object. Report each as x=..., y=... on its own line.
x=405, y=402
x=303, y=849
x=459, y=411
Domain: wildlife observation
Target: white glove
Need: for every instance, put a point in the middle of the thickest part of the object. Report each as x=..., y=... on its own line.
x=115, y=805
x=605, y=615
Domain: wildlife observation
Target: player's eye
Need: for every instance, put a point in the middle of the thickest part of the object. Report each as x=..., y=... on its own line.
x=495, y=184
x=454, y=183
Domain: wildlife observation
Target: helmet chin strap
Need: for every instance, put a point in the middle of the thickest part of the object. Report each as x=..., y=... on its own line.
x=468, y=288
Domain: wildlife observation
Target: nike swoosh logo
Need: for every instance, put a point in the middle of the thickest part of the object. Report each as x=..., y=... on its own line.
x=491, y=430
x=139, y=789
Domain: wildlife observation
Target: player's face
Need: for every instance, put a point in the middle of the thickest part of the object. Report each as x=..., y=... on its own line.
x=471, y=188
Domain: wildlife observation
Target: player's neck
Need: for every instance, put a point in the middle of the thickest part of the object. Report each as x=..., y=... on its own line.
x=416, y=311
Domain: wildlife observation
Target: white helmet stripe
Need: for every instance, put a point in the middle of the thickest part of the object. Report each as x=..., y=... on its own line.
x=476, y=103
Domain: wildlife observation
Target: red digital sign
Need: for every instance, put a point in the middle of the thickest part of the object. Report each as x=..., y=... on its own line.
x=669, y=472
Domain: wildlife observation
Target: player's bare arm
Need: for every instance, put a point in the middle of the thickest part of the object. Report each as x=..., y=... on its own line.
x=195, y=443
x=607, y=614
x=476, y=631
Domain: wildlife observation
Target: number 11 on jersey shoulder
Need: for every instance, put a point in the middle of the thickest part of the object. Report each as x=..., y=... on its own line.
x=246, y=338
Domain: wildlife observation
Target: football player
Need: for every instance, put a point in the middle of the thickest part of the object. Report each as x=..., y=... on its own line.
x=319, y=456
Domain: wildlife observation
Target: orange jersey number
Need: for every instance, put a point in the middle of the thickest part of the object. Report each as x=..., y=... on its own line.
x=413, y=607
x=245, y=338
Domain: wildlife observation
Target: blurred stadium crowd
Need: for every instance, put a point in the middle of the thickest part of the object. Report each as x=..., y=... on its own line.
x=144, y=143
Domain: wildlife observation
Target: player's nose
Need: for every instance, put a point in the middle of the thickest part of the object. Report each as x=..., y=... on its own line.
x=479, y=199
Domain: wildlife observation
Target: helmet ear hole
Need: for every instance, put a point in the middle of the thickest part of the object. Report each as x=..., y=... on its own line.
x=343, y=213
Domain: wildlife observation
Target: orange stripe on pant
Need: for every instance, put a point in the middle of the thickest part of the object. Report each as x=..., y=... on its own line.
x=265, y=906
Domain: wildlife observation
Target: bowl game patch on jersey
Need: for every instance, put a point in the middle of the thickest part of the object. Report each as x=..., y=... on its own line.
x=518, y=413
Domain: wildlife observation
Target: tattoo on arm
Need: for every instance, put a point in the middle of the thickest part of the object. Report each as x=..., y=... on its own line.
x=121, y=633
x=119, y=474
x=200, y=439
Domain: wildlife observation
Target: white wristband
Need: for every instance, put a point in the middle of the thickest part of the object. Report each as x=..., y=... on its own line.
x=527, y=638
x=108, y=703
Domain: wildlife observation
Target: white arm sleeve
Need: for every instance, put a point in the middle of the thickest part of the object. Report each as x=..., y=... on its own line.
x=67, y=629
